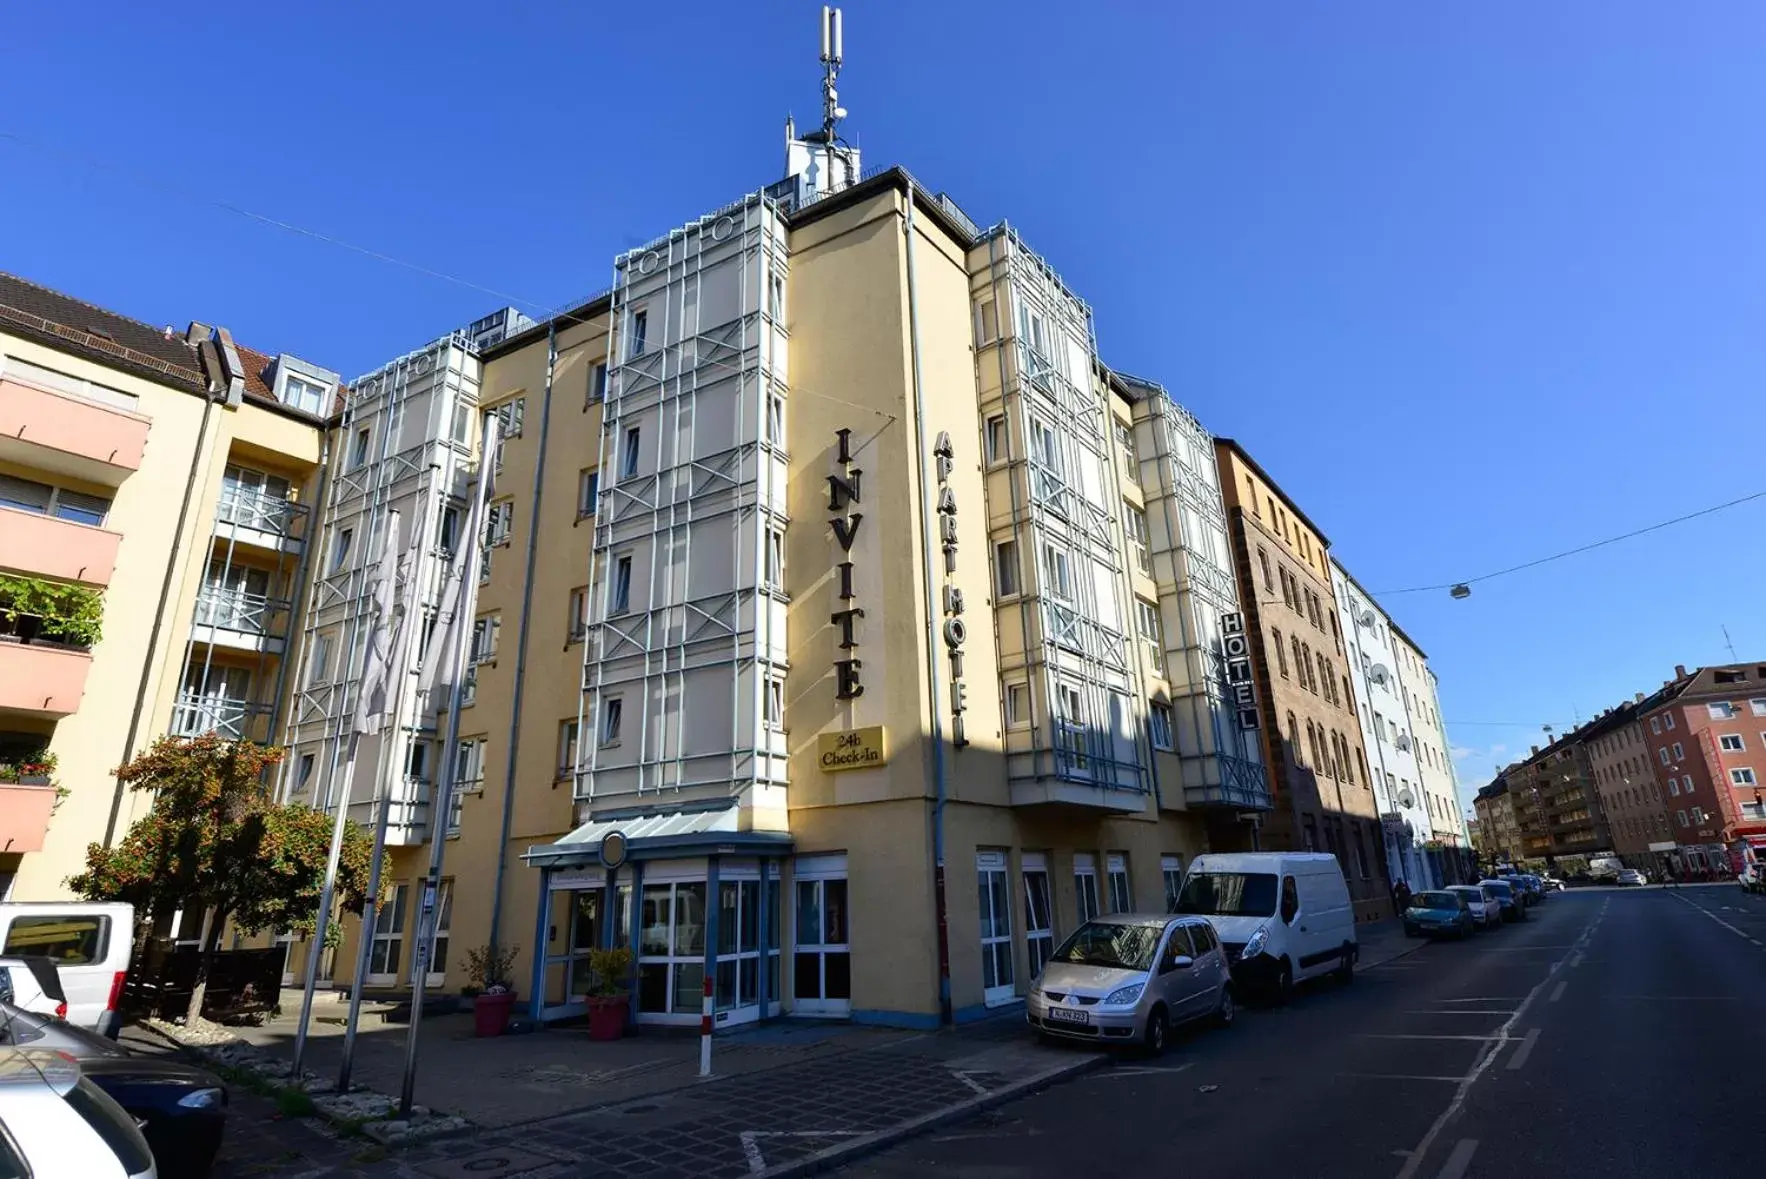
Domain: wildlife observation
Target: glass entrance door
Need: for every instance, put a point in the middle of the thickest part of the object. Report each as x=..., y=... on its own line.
x=671, y=952
x=740, y=958
x=585, y=934
x=821, y=968
x=996, y=928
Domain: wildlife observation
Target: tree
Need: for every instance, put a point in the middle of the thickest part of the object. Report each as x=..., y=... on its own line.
x=215, y=841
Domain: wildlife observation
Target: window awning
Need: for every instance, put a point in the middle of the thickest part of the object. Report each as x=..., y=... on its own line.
x=660, y=834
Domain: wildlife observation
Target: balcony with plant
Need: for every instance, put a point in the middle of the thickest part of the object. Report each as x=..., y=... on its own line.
x=33, y=610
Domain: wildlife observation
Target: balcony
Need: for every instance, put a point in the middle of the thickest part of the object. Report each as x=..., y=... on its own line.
x=235, y=719
x=240, y=621
x=407, y=819
x=44, y=679
x=47, y=546
x=268, y=522
x=26, y=802
x=50, y=422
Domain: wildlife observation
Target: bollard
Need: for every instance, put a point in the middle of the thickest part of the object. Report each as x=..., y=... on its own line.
x=705, y=1031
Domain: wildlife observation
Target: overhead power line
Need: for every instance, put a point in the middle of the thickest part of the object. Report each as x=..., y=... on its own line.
x=1448, y=585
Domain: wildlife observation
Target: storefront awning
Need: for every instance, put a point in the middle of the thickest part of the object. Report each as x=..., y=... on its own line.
x=660, y=834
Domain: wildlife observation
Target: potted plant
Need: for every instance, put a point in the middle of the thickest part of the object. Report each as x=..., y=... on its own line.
x=490, y=969
x=607, y=1000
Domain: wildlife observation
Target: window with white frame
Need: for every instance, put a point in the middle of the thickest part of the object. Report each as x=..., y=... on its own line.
x=1039, y=912
x=772, y=704
x=996, y=927
x=1017, y=704
x=628, y=456
x=340, y=548
x=486, y=629
x=1668, y=721
x=1043, y=444
x=1758, y=705
x=319, y=662
x=1171, y=872
x=1057, y=571
x=577, y=619
x=1721, y=710
x=389, y=934
x=1131, y=462
x=775, y=302
x=1070, y=723
x=1679, y=753
x=469, y=764
x=640, y=334
x=500, y=522
x=1686, y=784
x=1085, y=885
x=1147, y=622
x=612, y=708
x=1741, y=777
x=1121, y=896
x=1681, y=817
x=1159, y=724
x=1135, y=521
x=567, y=732
x=1662, y=754
x=775, y=559
x=1005, y=568
x=302, y=394
x=510, y=415
x=620, y=600
x=598, y=382
x=1731, y=742
x=987, y=327
x=444, y=920
x=775, y=419
x=1673, y=786
x=588, y=491
x=359, y=452
x=1655, y=724
x=998, y=444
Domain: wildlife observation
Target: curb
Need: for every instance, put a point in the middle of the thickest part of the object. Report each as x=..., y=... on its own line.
x=854, y=1148
x=1406, y=952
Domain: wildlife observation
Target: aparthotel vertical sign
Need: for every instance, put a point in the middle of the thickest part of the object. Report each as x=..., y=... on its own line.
x=1240, y=681
x=843, y=494
x=956, y=631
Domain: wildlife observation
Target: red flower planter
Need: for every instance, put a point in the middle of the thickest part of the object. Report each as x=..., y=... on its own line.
x=490, y=1013
x=607, y=1017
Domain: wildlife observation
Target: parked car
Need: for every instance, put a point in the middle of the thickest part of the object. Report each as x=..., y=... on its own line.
x=1438, y=913
x=1283, y=916
x=181, y=1109
x=57, y=1123
x=1631, y=877
x=1129, y=978
x=33, y=984
x=1534, y=885
x=1486, y=911
x=89, y=942
x=1552, y=884
x=1512, y=908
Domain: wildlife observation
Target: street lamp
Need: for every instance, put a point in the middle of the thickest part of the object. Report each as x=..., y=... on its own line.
x=1461, y=592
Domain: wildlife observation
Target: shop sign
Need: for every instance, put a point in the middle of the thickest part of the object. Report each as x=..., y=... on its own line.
x=1240, y=685
x=956, y=631
x=851, y=749
x=843, y=493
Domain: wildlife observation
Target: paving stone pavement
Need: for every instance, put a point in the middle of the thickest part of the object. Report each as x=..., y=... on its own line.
x=735, y=1126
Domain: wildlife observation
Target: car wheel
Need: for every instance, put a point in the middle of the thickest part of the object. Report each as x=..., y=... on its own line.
x=1284, y=984
x=1154, y=1040
x=1228, y=1011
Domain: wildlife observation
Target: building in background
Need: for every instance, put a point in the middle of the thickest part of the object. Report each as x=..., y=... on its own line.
x=159, y=485
x=1320, y=774
x=1419, y=692
x=1495, y=808
x=1706, y=734
x=1630, y=793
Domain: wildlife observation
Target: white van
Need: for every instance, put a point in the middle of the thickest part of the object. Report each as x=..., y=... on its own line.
x=1282, y=916
x=89, y=942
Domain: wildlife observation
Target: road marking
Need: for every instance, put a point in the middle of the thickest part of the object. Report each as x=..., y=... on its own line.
x=1557, y=992
x=1459, y=1160
x=1525, y=1050
x=1486, y=999
x=963, y=1076
x=1400, y=1077
x=1576, y=961
x=757, y=1160
x=1410, y=1036
x=1142, y=1070
x=1468, y=1011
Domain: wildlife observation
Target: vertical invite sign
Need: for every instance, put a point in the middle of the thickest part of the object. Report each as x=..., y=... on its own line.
x=843, y=494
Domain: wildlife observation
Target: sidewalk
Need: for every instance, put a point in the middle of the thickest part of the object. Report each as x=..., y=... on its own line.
x=1384, y=941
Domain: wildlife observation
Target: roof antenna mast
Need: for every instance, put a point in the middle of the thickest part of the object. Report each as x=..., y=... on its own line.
x=832, y=112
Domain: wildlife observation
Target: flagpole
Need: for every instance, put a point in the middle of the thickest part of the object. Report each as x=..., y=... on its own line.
x=442, y=804
x=388, y=773
x=326, y=895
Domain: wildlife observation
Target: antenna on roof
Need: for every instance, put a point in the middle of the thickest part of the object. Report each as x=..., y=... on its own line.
x=832, y=54
x=821, y=161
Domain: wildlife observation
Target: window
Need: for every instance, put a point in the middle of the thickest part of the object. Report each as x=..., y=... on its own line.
x=1085, y=886
x=1663, y=755
x=987, y=322
x=1171, y=871
x=1679, y=753
x=775, y=297
x=305, y=772
x=611, y=710
x=1121, y=899
x=510, y=415
x=775, y=419
x=996, y=927
x=389, y=933
x=1741, y=777
x=1263, y=561
x=1017, y=704
x=1043, y=446
x=1731, y=742
x=1057, y=571
x=1680, y=816
x=598, y=382
x=640, y=329
x=588, y=492
x=1039, y=926
x=1302, y=665
x=577, y=620
x=999, y=447
x=567, y=732
x=448, y=531
x=70, y=940
x=1287, y=589
x=1758, y=705
x=302, y=394
x=1135, y=521
x=1281, y=656
x=775, y=559
x=340, y=548
x=319, y=664
x=444, y=919
x=628, y=458
x=1306, y=675
x=1005, y=568
x=1131, y=461
x=500, y=522
x=622, y=586
x=485, y=631
x=1655, y=724
x=1668, y=721
x=469, y=764
x=1159, y=724
x=1721, y=710
x=359, y=454
x=772, y=703
x=1147, y=620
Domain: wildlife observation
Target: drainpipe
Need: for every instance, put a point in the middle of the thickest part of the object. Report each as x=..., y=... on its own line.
x=174, y=562
x=928, y=542
x=533, y=533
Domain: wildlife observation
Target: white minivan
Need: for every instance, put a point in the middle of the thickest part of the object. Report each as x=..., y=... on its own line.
x=88, y=941
x=1283, y=917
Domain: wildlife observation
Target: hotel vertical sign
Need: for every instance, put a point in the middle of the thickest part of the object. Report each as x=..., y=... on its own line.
x=843, y=493
x=1241, y=688
x=956, y=631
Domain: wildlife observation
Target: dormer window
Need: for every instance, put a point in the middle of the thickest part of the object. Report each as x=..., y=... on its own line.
x=304, y=395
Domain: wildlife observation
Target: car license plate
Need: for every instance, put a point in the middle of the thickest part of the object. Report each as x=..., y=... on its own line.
x=1069, y=1015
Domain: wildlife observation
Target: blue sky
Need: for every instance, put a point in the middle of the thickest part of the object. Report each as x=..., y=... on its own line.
x=1476, y=284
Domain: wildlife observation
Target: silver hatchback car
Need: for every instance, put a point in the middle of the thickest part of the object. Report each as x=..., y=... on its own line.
x=1129, y=978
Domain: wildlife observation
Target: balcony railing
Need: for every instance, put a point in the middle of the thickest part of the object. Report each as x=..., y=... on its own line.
x=235, y=719
x=251, y=614
x=265, y=513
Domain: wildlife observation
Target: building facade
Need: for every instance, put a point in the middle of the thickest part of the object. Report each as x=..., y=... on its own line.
x=1630, y=793
x=1706, y=734
x=1501, y=832
x=1325, y=798
x=1557, y=805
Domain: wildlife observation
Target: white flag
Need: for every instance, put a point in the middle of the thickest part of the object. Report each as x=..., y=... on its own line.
x=374, y=702
x=459, y=588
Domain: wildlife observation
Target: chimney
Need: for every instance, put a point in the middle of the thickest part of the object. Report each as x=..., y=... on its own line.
x=197, y=333
x=1638, y=698
x=1680, y=671
x=1536, y=751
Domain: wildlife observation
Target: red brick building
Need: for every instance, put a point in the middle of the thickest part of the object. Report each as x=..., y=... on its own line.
x=1706, y=736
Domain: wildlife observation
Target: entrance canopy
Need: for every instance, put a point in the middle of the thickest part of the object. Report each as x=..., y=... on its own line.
x=651, y=835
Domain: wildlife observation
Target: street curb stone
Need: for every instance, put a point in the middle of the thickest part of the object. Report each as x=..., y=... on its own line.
x=855, y=1148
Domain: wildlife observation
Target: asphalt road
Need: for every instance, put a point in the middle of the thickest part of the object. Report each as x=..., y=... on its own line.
x=1616, y=1032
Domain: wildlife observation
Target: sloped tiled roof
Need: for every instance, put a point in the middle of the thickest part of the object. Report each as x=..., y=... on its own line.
x=97, y=334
